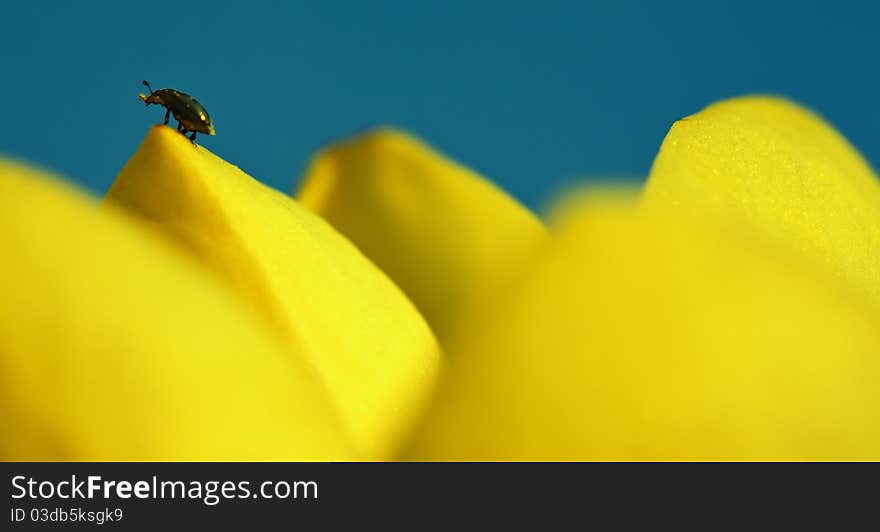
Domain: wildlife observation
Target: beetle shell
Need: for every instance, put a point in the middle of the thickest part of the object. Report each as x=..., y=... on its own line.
x=186, y=109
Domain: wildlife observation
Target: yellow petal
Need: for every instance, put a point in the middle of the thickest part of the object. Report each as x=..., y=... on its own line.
x=442, y=232
x=776, y=168
x=638, y=336
x=114, y=346
x=372, y=349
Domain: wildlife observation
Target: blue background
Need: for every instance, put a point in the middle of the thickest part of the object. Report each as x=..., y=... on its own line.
x=531, y=94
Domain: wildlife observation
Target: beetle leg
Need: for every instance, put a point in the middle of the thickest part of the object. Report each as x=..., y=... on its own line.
x=192, y=137
x=168, y=112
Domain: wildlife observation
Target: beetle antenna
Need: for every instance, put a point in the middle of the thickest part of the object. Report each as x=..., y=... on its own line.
x=148, y=86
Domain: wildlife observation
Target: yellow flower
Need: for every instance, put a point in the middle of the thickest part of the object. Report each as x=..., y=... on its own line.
x=364, y=340
x=729, y=311
x=114, y=346
x=438, y=229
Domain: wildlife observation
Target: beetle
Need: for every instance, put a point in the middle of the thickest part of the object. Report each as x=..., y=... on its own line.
x=189, y=113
